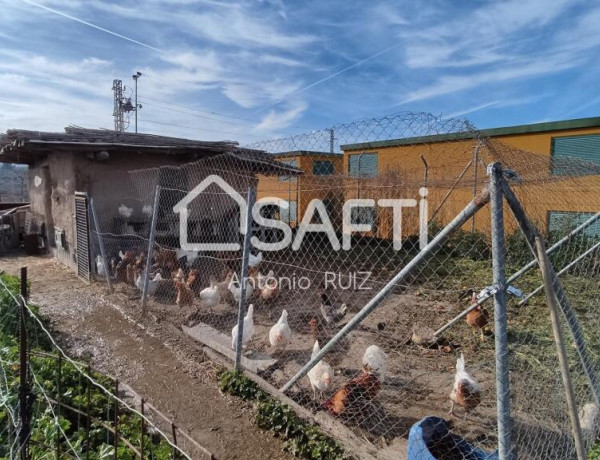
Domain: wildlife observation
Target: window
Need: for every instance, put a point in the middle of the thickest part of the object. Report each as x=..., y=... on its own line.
x=322, y=167
x=292, y=163
x=563, y=222
x=290, y=214
x=362, y=165
x=566, y=151
x=364, y=215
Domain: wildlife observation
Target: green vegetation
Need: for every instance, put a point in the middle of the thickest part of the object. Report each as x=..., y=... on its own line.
x=594, y=453
x=302, y=439
x=70, y=435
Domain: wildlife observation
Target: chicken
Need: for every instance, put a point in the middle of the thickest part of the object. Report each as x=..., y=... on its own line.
x=375, y=360
x=589, y=419
x=353, y=396
x=152, y=283
x=330, y=313
x=210, y=296
x=236, y=290
x=262, y=279
x=140, y=260
x=185, y=296
x=179, y=275
x=193, y=280
x=100, y=269
x=125, y=211
x=166, y=259
x=248, y=329
x=321, y=375
x=254, y=260
x=270, y=290
x=465, y=392
x=130, y=274
x=190, y=256
x=147, y=210
x=280, y=334
x=223, y=286
x=319, y=331
x=478, y=318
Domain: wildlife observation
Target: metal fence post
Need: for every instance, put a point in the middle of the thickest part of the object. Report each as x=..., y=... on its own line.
x=24, y=389
x=244, y=275
x=150, y=247
x=101, y=244
x=500, y=312
x=560, y=348
x=522, y=271
x=463, y=217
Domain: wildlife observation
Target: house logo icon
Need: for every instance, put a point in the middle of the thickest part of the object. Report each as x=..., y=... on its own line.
x=181, y=208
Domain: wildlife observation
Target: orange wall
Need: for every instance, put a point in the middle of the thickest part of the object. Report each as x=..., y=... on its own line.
x=304, y=188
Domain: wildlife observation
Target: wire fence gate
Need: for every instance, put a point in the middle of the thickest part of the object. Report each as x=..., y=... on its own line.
x=54, y=406
x=354, y=276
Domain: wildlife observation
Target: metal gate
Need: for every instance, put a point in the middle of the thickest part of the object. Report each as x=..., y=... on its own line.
x=82, y=229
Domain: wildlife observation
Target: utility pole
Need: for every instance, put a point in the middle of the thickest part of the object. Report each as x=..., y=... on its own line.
x=117, y=88
x=331, y=141
x=137, y=106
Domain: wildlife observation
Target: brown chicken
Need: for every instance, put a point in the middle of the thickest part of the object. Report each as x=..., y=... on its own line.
x=352, y=397
x=478, y=318
x=193, y=280
x=185, y=296
x=465, y=392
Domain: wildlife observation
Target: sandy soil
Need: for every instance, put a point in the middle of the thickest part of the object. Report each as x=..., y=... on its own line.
x=166, y=371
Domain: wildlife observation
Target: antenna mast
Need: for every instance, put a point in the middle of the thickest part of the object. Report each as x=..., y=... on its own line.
x=118, y=106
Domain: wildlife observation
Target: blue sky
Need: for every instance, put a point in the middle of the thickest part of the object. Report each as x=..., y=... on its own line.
x=251, y=70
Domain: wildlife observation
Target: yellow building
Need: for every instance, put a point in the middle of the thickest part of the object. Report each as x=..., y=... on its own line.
x=320, y=172
x=545, y=155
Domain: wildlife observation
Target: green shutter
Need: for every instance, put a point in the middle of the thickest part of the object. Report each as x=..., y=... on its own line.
x=363, y=165
x=563, y=222
x=576, y=155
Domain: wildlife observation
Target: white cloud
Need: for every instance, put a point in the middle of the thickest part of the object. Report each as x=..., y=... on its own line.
x=280, y=119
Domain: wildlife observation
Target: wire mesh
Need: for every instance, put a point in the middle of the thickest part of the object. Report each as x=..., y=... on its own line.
x=336, y=208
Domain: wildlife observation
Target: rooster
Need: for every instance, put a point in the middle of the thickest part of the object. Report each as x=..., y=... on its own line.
x=354, y=394
x=280, y=334
x=465, y=392
x=321, y=375
x=478, y=318
x=331, y=314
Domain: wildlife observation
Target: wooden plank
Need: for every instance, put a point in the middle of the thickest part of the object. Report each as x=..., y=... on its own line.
x=254, y=361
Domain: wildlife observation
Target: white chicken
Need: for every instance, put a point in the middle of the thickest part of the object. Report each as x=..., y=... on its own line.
x=236, y=289
x=147, y=210
x=255, y=260
x=375, y=360
x=280, y=334
x=248, y=329
x=589, y=419
x=152, y=284
x=321, y=375
x=100, y=266
x=125, y=211
x=466, y=391
x=210, y=296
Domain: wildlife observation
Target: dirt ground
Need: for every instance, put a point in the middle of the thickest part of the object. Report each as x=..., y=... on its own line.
x=162, y=368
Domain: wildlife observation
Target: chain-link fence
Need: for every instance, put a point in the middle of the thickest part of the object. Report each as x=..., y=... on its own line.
x=374, y=242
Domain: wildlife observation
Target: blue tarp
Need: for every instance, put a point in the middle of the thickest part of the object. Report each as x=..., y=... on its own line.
x=430, y=439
